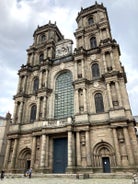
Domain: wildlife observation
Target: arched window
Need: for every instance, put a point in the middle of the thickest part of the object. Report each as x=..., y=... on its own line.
x=90, y=20
x=64, y=98
x=41, y=58
x=33, y=113
x=93, y=43
x=99, y=102
x=95, y=70
x=43, y=38
x=36, y=84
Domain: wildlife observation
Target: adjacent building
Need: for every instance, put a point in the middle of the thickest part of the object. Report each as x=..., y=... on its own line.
x=72, y=112
x=4, y=125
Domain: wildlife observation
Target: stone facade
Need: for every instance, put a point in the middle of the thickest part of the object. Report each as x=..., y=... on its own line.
x=4, y=126
x=72, y=112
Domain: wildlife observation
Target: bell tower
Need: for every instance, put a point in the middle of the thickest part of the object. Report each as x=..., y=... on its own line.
x=93, y=27
x=96, y=49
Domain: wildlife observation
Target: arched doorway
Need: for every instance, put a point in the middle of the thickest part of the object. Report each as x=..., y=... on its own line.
x=104, y=156
x=24, y=159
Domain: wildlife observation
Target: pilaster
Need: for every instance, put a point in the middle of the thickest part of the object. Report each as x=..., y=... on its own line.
x=78, y=150
x=128, y=146
x=117, y=150
x=43, y=151
x=5, y=165
x=88, y=157
x=14, y=154
x=33, y=151
x=109, y=96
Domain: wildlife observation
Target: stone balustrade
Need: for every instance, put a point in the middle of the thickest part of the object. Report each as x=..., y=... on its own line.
x=16, y=128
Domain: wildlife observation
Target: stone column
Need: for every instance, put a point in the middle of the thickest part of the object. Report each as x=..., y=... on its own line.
x=20, y=112
x=69, y=149
x=117, y=150
x=118, y=93
x=40, y=80
x=125, y=99
x=88, y=148
x=19, y=85
x=33, y=151
x=33, y=58
x=108, y=34
x=109, y=96
x=46, y=78
x=5, y=165
x=78, y=150
x=43, y=151
x=112, y=60
x=47, y=151
x=128, y=146
x=104, y=62
x=76, y=102
x=50, y=106
x=75, y=71
x=38, y=109
x=82, y=65
x=15, y=112
x=85, y=100
x=44, y=108
x=134, y=144
x=82, y=40
x=24, y=83
x=13, y=160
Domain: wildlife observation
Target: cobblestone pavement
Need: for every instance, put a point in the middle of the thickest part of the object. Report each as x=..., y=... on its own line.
x=64, y=181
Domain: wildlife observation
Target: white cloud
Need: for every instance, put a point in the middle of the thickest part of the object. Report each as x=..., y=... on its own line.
x=19, y=19
x=8, y=81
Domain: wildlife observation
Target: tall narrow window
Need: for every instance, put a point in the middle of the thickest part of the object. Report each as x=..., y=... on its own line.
x=108, y=61
x=93, y=43
x=43, y=38
x=114, y=94
x=33, y=113
x=90, y=21
x=95, y=70
x=41, y=58
x=64, y=98
x=99, y=102
x=36, y=84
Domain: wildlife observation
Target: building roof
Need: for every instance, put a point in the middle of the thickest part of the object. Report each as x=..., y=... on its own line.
x=136, y=118
x=2, y=118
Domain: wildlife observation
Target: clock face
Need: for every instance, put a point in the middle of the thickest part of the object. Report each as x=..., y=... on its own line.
x=63, y=49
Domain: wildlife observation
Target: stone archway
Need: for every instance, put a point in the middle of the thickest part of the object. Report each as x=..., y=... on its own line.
x=24, y=159
x=103, y=150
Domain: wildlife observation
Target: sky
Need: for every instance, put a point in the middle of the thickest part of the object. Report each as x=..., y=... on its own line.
x=20, y=18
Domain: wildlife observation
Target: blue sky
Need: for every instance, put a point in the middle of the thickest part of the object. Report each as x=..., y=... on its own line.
x=19, y=19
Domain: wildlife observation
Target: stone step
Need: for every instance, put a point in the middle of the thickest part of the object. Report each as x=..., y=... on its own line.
x=77, y=176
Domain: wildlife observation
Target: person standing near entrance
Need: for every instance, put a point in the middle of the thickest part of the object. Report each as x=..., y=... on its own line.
x=2, y=175
x=30, y=172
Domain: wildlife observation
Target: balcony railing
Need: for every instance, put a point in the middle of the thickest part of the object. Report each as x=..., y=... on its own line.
x=17, y=128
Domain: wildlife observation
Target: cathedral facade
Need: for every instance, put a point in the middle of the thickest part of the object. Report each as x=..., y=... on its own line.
x=72, y=112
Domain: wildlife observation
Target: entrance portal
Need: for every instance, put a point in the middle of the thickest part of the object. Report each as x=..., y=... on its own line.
x=24, y=159
x=106, y=164
x=28, y=164
x=60, y=155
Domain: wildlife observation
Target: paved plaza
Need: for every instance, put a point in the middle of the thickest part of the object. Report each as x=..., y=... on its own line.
x=25, y=180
